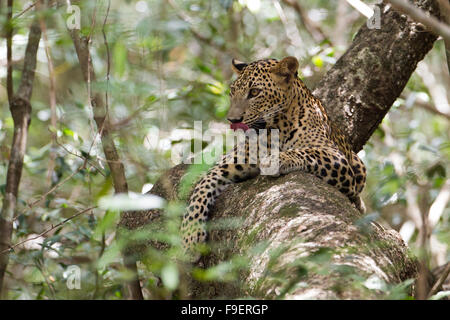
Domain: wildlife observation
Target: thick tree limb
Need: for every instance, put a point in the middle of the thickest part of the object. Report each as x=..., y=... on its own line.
x=20, y=107
x=432, y=23
x=299, y=215
x=364, y=83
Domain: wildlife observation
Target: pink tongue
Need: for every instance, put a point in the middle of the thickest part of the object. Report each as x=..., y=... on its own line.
x=239, y=125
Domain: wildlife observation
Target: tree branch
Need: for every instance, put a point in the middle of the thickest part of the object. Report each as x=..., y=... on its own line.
x=26, y=9
x=432, y=23
x=443, y=274
x=303, y=214
x=9, y=31
x=20, y=108
x=364, y=83
x=293, y=216
x=195, y=33
x=43, y=233
x=427, y=106
x=101, y=118
x=444, y=5
x=311, y=27
x=52, y=97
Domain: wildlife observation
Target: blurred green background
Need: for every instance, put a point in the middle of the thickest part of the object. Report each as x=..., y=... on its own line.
x=170, y=66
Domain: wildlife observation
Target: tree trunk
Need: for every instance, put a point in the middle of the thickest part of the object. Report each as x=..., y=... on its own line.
x=364, y=83
x=299, y=215
x=115, y=165
x=20, y=108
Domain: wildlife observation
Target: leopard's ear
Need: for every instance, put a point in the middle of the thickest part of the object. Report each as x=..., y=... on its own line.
x=286, y=68
x=238, y=66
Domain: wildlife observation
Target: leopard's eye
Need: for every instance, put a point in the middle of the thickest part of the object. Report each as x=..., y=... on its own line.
x=253, y=92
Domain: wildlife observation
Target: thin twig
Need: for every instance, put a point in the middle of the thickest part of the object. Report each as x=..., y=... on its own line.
x=311, y=27
x=26, y=9
x=39, y=264
x=440, y=281
x=42, y=197
x=83, y=166
x=116, y=166
x=94, y=15
x=423, y=242
x=108, y=56
x=97, y=274
x=81, y=157
x=427, y=106
x=444, y=6
x=124, y=122
x=292, y=33
x=196, y=34
x=53, y=227
x=52, y=96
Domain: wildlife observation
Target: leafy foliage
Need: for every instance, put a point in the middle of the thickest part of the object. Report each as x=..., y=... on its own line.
x=169, y=66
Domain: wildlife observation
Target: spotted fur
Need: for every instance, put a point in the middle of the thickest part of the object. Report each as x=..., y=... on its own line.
x=268, y=94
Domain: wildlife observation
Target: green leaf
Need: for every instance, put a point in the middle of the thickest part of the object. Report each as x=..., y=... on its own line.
x=131, y=202
x=119, y=58
x=111, y=254
x=170, y=276
x=107, y=222
x=191, y=176
x=318, y=61
x=204, y=68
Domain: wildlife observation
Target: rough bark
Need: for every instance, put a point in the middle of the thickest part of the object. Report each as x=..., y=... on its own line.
x=430, y=23
x=298, y=214
x=20, y=108
x=444, y=6
x=357, y=93
x=364, y=83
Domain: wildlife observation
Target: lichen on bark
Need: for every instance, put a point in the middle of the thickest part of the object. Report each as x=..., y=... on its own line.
x=284, y=224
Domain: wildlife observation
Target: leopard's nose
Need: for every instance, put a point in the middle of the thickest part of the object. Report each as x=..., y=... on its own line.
x=235, y=120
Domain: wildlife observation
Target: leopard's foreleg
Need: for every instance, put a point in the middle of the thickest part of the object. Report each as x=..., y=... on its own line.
x=206, y=191
x=328, y=164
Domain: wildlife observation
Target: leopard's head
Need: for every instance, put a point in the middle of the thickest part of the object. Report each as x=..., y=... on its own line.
x=262, y=90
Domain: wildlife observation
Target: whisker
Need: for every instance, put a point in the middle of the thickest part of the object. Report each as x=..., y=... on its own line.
x=261, y=122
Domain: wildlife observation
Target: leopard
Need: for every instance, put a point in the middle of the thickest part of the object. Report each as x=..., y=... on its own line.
x=268, y=94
